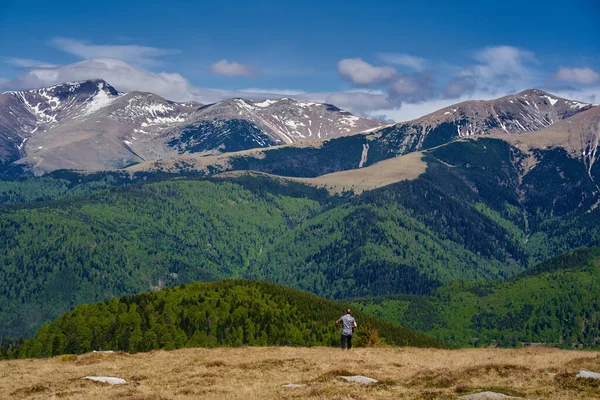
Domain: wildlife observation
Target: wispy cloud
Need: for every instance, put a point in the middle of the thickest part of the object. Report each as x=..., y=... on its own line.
x=233, y=68
x=26, y=62
x=500, y=69
x=135, y=54
x=360, y=72
x=377, y=90
x=403, y=59
x=283, y=92
x=582, y=76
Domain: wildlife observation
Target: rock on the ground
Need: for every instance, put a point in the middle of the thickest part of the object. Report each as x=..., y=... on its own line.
x=360, y=379
x=487, y=395
x=294, y=385
x=588, y=374
x=106, y=379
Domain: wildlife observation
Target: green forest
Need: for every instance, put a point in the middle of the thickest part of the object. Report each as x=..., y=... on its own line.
x=556, y=303
x=225, y=313
x=475, y=216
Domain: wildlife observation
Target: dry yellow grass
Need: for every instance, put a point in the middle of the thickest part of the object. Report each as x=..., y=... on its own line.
x=259, y=373
x=402, y=168
x=406, y=167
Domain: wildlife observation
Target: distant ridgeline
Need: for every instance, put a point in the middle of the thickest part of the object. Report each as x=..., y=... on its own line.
x=225, y=313
x=556, y=303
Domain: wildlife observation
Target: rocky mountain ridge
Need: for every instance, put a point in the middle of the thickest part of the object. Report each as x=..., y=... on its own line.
x=524, y=112
x=90, y=125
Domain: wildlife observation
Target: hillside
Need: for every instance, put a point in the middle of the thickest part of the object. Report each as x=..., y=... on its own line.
x=260, y=373
x=555, y=303
x=475, y=214
x=226, y=313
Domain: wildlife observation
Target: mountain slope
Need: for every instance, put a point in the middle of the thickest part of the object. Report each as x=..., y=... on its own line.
x=225, y=125
x=475, y=214
x=555, y=303
x=23, y=114
x=89, y=125
x=520, y=114
x=226, y=313
x=527, y=111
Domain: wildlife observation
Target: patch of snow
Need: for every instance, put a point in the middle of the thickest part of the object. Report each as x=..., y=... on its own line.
x=36, y=111
x=162, y=120
x=155, y=109
x=265, y=103
x=447, y=113
x=24, y=140
x=351, y=120
x=519, y=123
x=551, y=100
x=293, y=124
x=244, y=105
x=100, y=100
x=578, y=105
x=305, y=104
x=127, y=142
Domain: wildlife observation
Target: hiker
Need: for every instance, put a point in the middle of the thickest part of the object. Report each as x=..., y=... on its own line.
x=348, y=325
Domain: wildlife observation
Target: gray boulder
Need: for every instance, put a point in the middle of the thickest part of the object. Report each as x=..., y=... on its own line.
x=360, y=379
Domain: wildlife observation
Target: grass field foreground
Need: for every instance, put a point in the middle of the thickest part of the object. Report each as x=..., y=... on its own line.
x=259, y=373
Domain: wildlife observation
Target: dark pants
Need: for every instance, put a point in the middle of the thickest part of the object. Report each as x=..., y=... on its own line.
x=347, y=339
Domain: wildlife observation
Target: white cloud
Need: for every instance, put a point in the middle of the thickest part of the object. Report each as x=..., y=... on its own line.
x=401, y=96
x=412, y=110
x=363, y=73
x=503, y=61
x=355, y=102
x=118, y=73
x=500, y=69
x=283, y=92
x=583, y=76
x=406, y=60
x=126, y=78
x=405, y=86
x=138, y=55
x=26, y=62
x=459, y=85
x=234, y=68
x=587, y=94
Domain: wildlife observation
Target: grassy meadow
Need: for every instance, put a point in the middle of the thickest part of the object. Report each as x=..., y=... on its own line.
x=260, y=372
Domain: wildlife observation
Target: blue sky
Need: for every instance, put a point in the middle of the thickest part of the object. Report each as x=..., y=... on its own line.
x=378, y=58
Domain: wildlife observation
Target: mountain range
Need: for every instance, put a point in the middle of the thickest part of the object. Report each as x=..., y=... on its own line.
x=91, y=126
x=477, y=192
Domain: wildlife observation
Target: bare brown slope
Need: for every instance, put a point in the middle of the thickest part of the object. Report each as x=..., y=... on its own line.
x=387, y=172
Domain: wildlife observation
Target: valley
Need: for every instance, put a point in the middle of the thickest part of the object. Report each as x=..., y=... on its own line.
x=410, y=216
